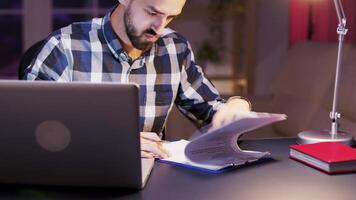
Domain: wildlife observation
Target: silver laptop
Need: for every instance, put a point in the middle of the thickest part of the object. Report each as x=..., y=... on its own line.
x=71, y=134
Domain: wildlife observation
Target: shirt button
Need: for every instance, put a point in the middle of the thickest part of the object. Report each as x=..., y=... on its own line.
x=142, y=62
x=123, y=56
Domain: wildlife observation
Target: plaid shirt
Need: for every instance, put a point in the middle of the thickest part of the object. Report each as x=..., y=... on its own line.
x=167, y=74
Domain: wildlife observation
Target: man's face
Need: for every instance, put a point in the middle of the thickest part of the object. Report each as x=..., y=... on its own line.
x=145, y=20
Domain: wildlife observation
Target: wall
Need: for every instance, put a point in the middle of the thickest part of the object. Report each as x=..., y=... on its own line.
x=271, y=38
x=272, y=41
x=192, y=23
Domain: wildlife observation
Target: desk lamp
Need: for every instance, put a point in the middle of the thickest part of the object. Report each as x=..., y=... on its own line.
x=333, y=135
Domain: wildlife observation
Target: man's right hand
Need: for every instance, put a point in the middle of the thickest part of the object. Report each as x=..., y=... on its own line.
x=234, y=109
x=151, y=146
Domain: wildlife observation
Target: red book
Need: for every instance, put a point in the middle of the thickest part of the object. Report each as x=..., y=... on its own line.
x=330, y=157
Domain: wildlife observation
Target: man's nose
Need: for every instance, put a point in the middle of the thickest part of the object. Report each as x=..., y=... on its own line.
x=159, y=25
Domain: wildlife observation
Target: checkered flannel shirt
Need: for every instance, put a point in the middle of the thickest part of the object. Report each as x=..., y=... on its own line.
x=167, y=73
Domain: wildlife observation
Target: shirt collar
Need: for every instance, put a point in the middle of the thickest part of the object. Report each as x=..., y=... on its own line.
x=111, y=38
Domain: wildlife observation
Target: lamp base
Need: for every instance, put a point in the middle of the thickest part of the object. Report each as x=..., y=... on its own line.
x=309, y=137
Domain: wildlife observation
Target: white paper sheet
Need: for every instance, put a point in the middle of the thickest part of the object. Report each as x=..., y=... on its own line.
x=217, y=148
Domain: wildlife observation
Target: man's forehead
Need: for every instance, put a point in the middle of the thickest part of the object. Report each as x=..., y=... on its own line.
x=169, y=7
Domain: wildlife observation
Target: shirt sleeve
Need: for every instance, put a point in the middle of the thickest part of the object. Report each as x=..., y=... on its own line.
x=53, y=62
x=197, y=98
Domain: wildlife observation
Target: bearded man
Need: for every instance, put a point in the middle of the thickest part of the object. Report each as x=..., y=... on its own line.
x=132, y=44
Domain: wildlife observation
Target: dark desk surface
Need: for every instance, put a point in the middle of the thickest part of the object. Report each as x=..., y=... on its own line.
x=280, y=178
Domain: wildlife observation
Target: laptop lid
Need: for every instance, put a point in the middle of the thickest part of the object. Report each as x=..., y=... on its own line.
x=73, y=134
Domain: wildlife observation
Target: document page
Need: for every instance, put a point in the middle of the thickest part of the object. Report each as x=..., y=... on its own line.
x=176, y=149
x=218, y=148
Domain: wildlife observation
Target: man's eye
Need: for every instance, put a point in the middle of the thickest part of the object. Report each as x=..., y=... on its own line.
x=152, y=13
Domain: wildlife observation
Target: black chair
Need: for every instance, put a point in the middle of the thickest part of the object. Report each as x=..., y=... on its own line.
x=28, y=56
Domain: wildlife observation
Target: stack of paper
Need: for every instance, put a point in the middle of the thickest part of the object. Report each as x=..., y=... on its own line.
x=217, y=148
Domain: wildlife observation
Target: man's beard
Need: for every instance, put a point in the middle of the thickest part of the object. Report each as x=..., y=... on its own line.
x=136, y=38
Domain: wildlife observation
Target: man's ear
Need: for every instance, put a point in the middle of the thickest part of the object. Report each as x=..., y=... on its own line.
x=124, y=2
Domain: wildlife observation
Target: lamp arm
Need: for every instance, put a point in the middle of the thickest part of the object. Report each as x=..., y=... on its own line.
x=341, y=31
x=340, y=12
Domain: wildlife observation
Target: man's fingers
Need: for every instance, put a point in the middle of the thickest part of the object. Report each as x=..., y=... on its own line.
x=146, y=155
x=231, y=111
x=219, y=117
x=164, y=150
x=150, y=136
x=151, y=144
x=153, y=147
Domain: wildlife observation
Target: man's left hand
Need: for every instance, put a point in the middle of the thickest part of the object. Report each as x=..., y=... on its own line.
x=232, y=110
